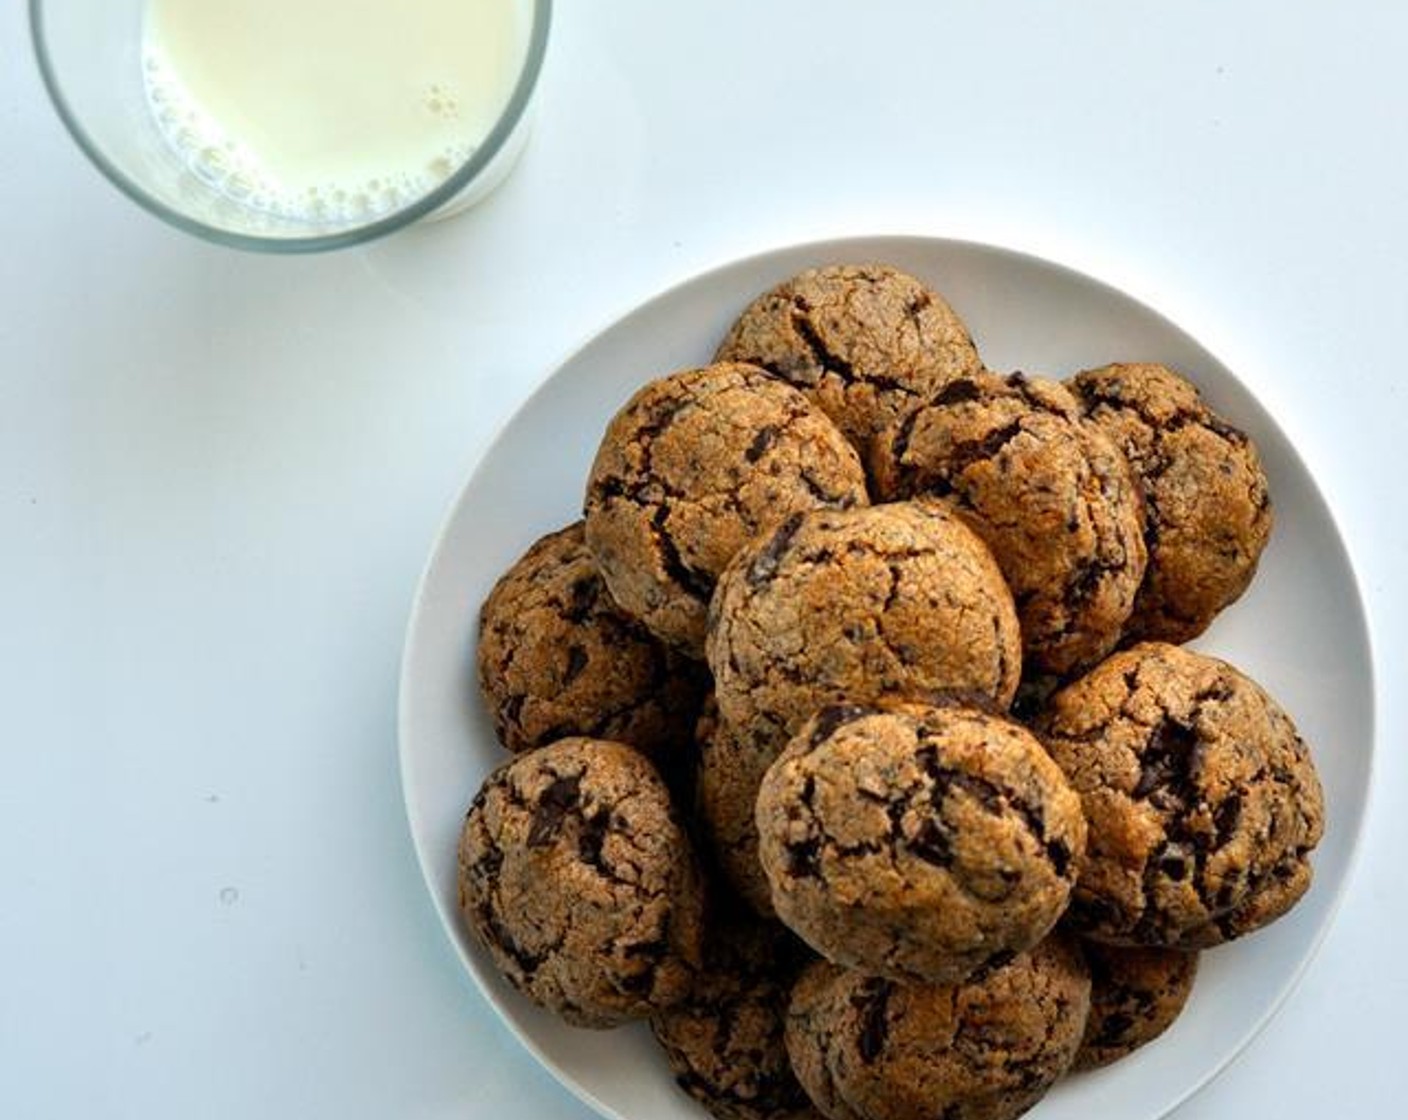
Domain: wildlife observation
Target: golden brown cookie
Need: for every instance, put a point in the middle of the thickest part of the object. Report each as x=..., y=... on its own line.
x=841, y=606
x=1135, y=995
x=1207, y=507
x=731, y=765
x=693, y=467
x=1202, y=801
x=916, y=842
x=725, y=1042
x=1052, y=497
x=578, y=880
x=556, y=658
x=868, y=1048
x=863, y=341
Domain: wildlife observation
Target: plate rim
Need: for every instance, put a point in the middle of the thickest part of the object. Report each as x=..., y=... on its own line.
x=845, y=244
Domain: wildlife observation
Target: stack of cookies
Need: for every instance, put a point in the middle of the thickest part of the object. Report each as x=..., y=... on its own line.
x=854, y=743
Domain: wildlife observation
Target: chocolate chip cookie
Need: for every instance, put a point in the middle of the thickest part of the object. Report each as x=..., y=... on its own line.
x=556, y=658
x=577, y=879
x=916, y=842
x=731, y=765
x=851, y=605
x=868, y=1048
x=1052, y=497
x=693, y=467
x=1202, y=801
x=725, y=1042
x=1207, y=506
x=863, y=341
x=1135, y=995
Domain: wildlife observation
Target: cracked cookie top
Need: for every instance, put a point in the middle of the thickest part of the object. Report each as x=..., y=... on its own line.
x=1052, y=497
x=868, y=1048
x=731, y=765
x=725, y=1043
x=838, y=606
x=1135, y=995
x=693, y=467
x=863, y=341
x=556, y=658
x=1207, y=507
x=918, y=843
x=576, y=877
x=1202, y=801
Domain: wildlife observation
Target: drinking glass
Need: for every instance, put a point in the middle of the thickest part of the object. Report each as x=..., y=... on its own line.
x=91, y=56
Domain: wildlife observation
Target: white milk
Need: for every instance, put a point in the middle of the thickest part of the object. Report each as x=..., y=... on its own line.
x=329, y=110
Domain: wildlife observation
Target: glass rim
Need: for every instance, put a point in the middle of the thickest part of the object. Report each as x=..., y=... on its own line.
x=507, y=123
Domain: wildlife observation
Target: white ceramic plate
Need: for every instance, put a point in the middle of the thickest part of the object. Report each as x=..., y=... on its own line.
x=1300, y=631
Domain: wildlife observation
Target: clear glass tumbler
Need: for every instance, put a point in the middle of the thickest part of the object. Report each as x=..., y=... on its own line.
x=91, y=56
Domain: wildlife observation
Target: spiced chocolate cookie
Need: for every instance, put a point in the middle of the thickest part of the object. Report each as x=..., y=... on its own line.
x=863, y=341
x=557, y=658
x=840, y=606
x=1135, y=995
x=1202, y=801
x=1207, y=507
x=577, y=879
x=725, y=1042
x=868, y=1048
x=731, y=765
x=918, y=843
x=1052, y=497
x=693, y=467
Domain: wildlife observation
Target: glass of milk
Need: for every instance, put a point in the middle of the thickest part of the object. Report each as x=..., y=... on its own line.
x=295, y=125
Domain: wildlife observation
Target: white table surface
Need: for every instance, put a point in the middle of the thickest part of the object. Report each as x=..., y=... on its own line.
x=220, y=475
